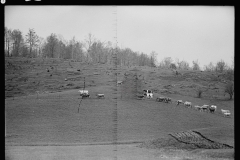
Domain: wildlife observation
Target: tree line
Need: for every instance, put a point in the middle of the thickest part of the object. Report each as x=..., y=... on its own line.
x=220, y=66
x=92, y=50
x=55, y=46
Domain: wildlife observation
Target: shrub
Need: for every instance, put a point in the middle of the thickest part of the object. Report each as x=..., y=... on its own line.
x=196, y=65
x=199, y=93
x=229, y=74
x=220, y=66
x=229, y=88
x=173, y=66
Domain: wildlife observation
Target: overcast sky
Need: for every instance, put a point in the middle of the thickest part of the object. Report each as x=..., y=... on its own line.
x=203, y=33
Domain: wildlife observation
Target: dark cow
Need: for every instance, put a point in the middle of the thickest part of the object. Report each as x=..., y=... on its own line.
x=160, y=99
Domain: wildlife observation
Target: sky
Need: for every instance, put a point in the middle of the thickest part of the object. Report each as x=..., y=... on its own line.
x=190, y=33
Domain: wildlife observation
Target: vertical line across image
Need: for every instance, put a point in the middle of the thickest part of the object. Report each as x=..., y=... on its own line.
x=115, y=113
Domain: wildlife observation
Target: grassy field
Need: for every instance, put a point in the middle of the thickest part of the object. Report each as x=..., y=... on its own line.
x=57, y=115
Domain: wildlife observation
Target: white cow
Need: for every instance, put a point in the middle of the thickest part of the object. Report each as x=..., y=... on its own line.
x=179, y=102
x=100, y=95
x=149, y=95
x=205, y=107
x=119, y=82
x=188, y=104
x=83, y=92
x=198, y=108
x=212, y=108
x=225, y=112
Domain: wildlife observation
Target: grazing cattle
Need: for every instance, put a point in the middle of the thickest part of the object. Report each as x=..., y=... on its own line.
x=100, y=95
x=119, y=82
x=82, y=92
x=160, y=99
x=198, y=108
x=148, y=93
x=188, y=104
x=225, y=112
x=205, y=107
x=167, y=100
x=179, y=102
x=85, y=95
x=140, y=97
x=212, y=108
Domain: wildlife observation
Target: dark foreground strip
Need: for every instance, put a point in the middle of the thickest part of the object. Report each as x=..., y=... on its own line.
x=79, y=144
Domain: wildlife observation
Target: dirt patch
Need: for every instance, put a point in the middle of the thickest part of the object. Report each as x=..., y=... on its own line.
x=188, y=140
x=197, y=139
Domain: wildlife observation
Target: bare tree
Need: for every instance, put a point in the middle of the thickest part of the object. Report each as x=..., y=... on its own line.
x=61, y=47
x=40, y=46
x=17, y=39
x=220, y=66
x=229, y=89
x=79, y=51
x=143, y=59
x=100, y=47
x=51, y=45
x=31, y=40
x=153, y=59
x=7, y=34
x=127, y=52
x=209, y=67
x=183, y=65
x=72, y=43
x=196, y=65
x=89, y=40
x=96, y=51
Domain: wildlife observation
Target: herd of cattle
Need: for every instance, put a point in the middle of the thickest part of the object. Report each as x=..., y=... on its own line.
x=207, y=108
x=85, y=94
x=149, y=94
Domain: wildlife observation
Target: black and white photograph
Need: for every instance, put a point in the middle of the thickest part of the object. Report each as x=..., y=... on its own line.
x=119, y=82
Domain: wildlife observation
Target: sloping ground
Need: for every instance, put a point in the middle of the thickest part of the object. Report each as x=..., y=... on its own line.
x=26, y=76
x=54, y=118
x=132, y=85
x=164, y=81
x=42, y=116
x=57, y=118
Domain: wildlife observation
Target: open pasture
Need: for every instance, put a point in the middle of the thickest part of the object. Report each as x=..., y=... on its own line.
x=55, y=118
